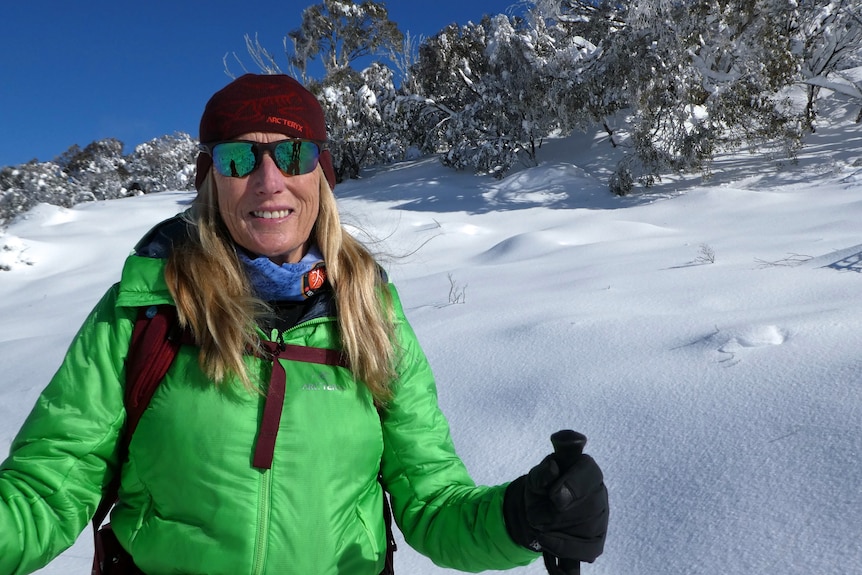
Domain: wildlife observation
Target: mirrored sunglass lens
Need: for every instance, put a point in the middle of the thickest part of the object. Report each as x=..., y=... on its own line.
x=234, y=159
x=296, y=157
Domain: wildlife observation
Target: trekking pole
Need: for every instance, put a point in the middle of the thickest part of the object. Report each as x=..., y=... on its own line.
x=568, y=446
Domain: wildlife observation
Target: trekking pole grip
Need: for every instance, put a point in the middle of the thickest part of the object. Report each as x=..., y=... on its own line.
x=568, y=446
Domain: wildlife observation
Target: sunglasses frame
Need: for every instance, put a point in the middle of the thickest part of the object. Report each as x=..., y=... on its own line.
x=258, y=149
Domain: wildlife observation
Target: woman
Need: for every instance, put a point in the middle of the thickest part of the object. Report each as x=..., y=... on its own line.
x=210, y=485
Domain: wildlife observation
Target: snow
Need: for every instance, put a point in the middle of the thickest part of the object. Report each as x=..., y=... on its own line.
x=721, y=398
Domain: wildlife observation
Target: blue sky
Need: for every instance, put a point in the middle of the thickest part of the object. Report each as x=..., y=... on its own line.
x=76, y=72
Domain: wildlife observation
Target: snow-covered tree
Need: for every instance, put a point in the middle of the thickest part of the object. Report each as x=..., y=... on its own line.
x=164, y=163
x=587, y=81
x=340, y=32
x=491, y=92
x=443, y=76
x=499, y=117
x=741, y=55
x=390, y=138
x=356, y=109
x=831, y=35
x=23, y=187
x=99, y=170
x=576, y=91
x=694, y=77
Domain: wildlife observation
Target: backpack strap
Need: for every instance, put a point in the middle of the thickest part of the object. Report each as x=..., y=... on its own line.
x=153, y=347
x=156, y=340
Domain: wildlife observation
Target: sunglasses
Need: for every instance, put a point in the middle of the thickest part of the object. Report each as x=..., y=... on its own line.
x=239, y=158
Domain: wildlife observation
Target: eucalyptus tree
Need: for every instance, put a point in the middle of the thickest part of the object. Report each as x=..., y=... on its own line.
x=341, y=32
x=690, y=78
x=831, y=36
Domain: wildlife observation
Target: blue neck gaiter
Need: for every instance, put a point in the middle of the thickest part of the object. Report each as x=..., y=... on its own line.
x=285, y=282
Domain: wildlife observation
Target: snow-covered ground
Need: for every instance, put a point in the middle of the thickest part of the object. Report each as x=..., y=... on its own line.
x=705, y=336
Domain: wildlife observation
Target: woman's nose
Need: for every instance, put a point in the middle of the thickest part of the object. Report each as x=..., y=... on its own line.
x=271, y=180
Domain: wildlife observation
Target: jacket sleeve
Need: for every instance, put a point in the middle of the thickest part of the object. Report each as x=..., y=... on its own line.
x=436, y=504
x=66, y=451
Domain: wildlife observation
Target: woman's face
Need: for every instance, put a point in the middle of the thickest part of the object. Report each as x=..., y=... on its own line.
x=267, y=212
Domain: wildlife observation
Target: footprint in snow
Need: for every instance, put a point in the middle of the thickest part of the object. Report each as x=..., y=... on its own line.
x=733, y=341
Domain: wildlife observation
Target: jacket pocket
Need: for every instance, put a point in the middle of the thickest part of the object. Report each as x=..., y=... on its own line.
x=368, y=528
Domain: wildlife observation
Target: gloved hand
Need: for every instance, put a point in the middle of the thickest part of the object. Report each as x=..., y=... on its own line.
x=561, y=513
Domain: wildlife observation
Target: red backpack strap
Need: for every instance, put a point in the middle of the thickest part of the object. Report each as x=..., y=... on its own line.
x=153, y=347
x=156, y=340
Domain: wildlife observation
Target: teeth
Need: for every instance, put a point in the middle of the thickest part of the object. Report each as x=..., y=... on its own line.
x=272, y=215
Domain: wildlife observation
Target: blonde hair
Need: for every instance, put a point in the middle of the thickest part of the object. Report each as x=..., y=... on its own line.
x=215, y=300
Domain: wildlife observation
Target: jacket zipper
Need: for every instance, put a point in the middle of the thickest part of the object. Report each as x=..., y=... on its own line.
x=279, y=336
x=262, y=535
x=312, y=321
x=265, y=489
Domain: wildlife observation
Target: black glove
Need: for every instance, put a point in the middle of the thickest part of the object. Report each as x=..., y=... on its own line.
x=564, y=514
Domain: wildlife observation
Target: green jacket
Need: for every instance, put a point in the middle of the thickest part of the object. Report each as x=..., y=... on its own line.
x=191, y=501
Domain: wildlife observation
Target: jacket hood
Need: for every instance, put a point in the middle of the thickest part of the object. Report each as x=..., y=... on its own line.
x=142, y=282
